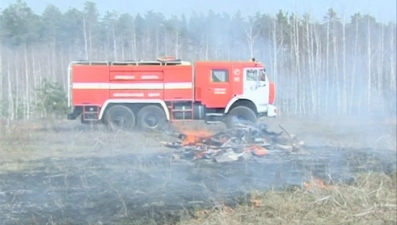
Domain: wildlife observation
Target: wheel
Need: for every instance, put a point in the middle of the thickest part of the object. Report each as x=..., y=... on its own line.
x=240, y=114
x=151, y=117
x=120, y=117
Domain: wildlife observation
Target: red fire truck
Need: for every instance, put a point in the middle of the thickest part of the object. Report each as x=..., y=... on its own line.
x=149, y=94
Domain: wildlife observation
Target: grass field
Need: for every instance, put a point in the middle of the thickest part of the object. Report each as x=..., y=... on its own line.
x=65, y=173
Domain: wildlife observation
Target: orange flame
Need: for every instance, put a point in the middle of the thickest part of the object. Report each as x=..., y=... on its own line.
x=315, y=183
x=257, y=150
x=194, y=137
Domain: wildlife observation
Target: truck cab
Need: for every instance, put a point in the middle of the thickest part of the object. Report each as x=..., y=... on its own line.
x=227, y=85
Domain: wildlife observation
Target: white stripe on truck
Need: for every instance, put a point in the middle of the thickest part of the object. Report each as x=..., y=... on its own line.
x=133, y=86
x=124, y=77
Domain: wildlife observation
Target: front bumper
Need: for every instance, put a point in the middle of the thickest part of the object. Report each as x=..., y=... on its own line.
x=271, y=111
x=268, y=110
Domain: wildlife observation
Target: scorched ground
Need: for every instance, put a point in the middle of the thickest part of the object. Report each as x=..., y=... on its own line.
x=69, y=176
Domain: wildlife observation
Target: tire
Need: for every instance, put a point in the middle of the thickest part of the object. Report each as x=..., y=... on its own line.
x=151, y=117
x=119, y=117
x=241, y=114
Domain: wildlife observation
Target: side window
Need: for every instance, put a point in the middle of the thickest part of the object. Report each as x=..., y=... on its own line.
x=219, y=76
x=252, y=75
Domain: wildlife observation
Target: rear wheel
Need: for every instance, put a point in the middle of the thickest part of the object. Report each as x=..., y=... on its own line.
x=240, y=114
x=151, y=117
x=120, y=117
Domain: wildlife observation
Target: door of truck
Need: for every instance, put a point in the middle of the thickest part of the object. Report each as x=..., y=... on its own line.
x=256, y=86
x=217, y=93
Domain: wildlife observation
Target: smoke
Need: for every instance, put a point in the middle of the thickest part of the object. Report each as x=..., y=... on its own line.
x=102, y=174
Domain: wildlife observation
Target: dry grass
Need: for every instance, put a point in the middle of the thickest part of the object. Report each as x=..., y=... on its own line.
x=23, y=142
x=371, y=200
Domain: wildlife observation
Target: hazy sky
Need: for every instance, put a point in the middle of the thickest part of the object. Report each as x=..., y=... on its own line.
x=383, y=10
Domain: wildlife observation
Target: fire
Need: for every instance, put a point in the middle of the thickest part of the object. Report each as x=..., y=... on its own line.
x=315, y=183
x=257, y=150
x=194, y=137
x=255, y=203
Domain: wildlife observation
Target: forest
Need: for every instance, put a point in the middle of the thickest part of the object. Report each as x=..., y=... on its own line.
x=333, y=66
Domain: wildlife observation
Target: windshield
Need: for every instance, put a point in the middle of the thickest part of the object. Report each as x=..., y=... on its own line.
x=262, y=75
x=252, y=75
x=256, y=75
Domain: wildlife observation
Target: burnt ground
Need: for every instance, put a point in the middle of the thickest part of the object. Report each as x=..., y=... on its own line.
x=71, y=176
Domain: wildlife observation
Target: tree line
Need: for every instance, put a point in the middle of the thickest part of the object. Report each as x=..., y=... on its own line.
x=332, y=66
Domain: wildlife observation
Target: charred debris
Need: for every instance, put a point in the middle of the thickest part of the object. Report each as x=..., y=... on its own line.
x=240, y=143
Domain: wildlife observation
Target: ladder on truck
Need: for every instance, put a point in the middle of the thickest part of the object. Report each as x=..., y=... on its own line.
x=90, y=113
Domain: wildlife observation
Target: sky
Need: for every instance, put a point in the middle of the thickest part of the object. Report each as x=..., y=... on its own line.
x=382, y=10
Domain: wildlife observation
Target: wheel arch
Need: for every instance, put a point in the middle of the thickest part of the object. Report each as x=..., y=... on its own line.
x=130, y=102
x=234, y=102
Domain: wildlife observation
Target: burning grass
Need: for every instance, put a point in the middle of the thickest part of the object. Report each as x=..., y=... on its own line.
x=372, y=199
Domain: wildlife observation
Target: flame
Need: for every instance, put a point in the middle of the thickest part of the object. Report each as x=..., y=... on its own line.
x=195, y=137
x=315, y=183
x=255, y=203
x=257, y=150
x=192, y=136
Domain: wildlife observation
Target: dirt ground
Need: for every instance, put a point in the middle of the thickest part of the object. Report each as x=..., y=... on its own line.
x=65, y=173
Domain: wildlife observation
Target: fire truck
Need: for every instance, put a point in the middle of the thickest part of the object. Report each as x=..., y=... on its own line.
x=150, y=94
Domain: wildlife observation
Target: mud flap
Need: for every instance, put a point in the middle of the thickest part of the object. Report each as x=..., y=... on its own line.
x=76, y=113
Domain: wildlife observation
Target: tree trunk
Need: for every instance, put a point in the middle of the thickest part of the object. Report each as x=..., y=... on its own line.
x=299, y=86
x=344, y=80
x=352, y=96
x=85, y=38
x=319, y=75
x=327, y=91
x=11, y=109
x=34, y=78
x=369, y=67
x=177, y=44
x=27, y=97
x=337, y=108
x=380, y=65
x=310, y=43
x=114, y=44
x=275, y=50
x=17, y=94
